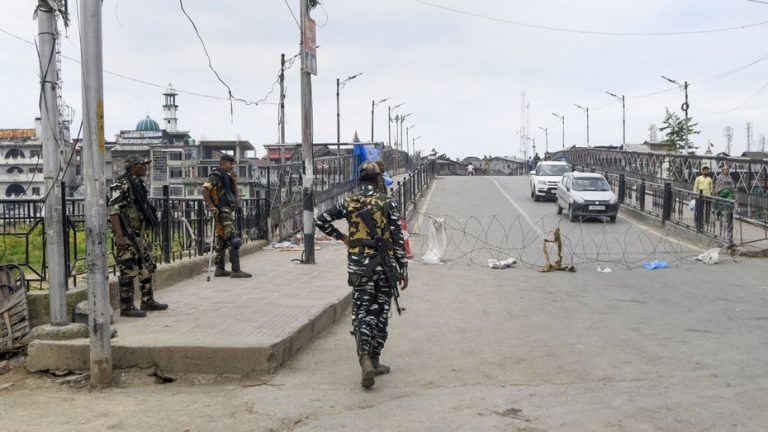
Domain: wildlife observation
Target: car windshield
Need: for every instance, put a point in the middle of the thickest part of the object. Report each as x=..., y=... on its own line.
x=553, y=170
x=591, y=184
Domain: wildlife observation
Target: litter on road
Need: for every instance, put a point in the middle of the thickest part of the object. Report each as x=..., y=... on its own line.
x=655, y=265
x=507, y=263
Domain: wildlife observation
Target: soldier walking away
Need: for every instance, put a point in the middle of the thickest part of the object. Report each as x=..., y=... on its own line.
x=220, y=192
x=376, y=264
x=133, y=219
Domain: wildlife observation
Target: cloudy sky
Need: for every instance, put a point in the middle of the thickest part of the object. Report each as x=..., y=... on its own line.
x=460, y=74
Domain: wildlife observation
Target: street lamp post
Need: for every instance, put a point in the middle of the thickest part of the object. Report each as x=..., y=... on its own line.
x=340, y=85
x=586, y=110
x=685, y=105
x=402, y=120
x=374, y=105
x=546, y=139
x=623, y=116
x=561, y=117
x=389, y=123
x=407, y=137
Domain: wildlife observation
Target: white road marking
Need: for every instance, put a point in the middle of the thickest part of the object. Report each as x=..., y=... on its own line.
x=519, y=209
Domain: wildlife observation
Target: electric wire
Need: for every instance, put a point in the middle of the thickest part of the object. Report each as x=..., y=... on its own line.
x=588, y=32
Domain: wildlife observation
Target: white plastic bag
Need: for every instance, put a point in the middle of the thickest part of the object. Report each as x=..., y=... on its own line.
x=711, y=256
x=437, y=241
x=692, y=205
x=507, y=263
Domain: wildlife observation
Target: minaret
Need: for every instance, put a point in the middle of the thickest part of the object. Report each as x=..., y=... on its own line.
x=169, y=109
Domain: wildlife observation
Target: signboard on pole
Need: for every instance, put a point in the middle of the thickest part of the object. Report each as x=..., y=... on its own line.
x=309, y=64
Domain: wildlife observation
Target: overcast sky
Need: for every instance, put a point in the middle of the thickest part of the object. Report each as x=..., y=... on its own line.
x=460, y=75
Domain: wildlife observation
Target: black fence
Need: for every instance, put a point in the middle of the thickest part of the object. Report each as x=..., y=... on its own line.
x=708, y=215
x=750, y=176
x=184, y=232
x=408, y=191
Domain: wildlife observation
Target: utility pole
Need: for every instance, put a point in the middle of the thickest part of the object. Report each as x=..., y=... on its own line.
x=49, y=115
x=389, y=126
x=684, y=107
x=546, y=139
x=585, y=109
x=623, y=116
x=374, y=105
x=306, y=135
x=95, y=191
x=282, y=98
x=280, y=148
x=562, y=118
x=338, y=116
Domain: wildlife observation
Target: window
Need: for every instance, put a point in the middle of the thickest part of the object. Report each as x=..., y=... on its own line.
x=553, y=170
x=15, y=190
x=176, y=191
x=202, y=171
x=175, y=173
x=242, y=172
x=591, y=184
x=15, y=169
x=175, y=156
x=14, y=153
x=36, y=191
x=34, y=153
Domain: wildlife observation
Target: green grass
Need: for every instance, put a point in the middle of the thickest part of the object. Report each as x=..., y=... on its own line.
x=13, y=249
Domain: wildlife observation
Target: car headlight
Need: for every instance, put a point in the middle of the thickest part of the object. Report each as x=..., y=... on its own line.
x=578, y=200
x=541, y=182
x=613, y=200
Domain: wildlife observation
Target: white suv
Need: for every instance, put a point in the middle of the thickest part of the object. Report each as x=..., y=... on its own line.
x=545, y=179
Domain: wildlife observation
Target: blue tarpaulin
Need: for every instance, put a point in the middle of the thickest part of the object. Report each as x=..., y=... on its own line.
x=368, y=153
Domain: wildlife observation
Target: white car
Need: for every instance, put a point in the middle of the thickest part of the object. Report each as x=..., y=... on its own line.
x=546, y=178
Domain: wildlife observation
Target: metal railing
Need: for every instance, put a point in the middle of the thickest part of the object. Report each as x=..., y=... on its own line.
x=708, y=215
x=408, y=191
x=750, y=176
x=183, y=232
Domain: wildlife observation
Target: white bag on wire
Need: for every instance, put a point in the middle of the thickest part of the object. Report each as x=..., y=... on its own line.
x=437, y=241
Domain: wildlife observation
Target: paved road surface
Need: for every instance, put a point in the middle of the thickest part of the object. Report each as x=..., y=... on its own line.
x=680, y=349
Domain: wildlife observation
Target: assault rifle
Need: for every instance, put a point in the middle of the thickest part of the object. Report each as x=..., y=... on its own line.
x=382, y=257
x=133, y=239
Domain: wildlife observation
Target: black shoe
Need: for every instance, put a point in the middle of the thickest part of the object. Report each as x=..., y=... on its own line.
x=220, y=273
x=132, y=312
x=152, y=305
x=239, y=274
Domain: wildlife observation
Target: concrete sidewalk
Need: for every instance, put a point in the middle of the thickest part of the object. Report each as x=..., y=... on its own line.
x=227, y=326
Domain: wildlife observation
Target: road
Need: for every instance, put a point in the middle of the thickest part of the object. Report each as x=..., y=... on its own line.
x=678, y=349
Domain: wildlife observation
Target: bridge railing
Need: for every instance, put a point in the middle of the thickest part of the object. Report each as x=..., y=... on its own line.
x=708, y=215
x=408, y=191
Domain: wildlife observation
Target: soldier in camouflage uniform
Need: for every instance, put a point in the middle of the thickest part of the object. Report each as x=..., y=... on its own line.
x=373, y=292
x=383, y=168
x=133, y=219
x=220, y=192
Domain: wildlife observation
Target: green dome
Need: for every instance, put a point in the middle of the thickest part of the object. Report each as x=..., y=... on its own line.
x=147, y=125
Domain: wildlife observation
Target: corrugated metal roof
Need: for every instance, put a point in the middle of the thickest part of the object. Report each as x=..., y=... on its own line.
x=130, y=148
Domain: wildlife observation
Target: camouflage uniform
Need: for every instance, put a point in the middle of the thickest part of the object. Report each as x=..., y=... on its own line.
x=132, y=263
x=372, y=295
x=226, y=233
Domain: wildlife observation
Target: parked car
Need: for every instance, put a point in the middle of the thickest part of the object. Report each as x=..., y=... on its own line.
x=586, y=195
x=546, y=177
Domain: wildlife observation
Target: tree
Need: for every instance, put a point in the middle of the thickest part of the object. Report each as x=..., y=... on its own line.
x=677, y=132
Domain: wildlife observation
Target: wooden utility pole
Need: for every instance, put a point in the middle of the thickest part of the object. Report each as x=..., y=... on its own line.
x=281, y=148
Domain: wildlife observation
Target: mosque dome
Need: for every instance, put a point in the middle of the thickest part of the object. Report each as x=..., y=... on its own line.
x=147, y=124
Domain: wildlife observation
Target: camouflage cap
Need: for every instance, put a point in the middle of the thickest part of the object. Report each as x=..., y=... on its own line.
x=369, y=169
x=135, y=159
x=380, y=164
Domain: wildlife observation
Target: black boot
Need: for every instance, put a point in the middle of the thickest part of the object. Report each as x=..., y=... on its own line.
x=234, y=256
x=131, y=311
x=368, y=372
x=148, y=302
x=153, y=305
x=127, y=309
x=381, y=369
x=221, y=272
